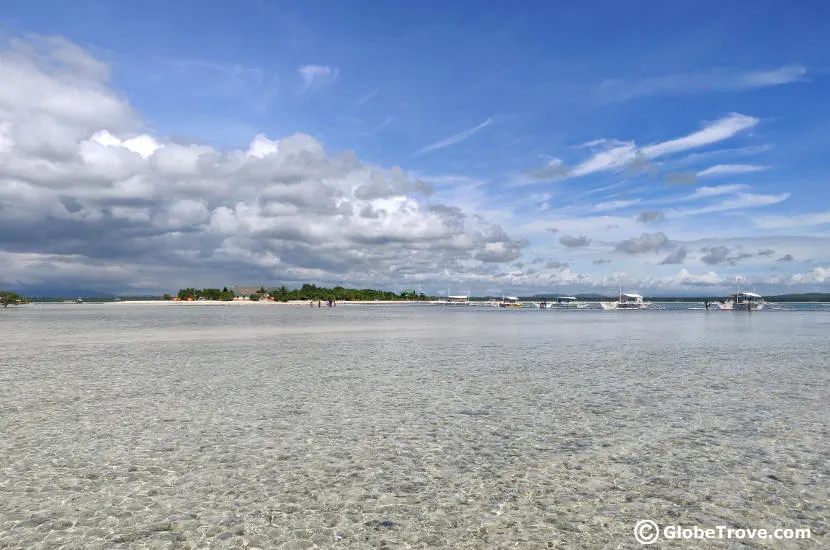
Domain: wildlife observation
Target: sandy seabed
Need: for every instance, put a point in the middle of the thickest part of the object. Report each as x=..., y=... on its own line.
x=406, y=427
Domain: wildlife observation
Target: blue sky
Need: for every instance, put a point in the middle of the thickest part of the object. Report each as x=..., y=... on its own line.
x=708, y=117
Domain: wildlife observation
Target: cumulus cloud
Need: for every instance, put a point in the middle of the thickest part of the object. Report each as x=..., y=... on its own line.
x=684, y=278
x=766, y=252
x=718, y=255
x=676, y=257
x=574, y=242
x=81, y=184
x=786, y=258
x=601, y=261
x=818, y=275
x=647, y=242
x=650, y=217
x=715, y=255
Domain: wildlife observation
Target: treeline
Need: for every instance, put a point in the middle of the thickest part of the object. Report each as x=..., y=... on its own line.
x=306, y=292
x=807, y=297
x=9, y=298
x=340, y=294
x=224, y=295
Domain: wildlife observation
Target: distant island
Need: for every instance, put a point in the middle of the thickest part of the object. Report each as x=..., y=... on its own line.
x=311, y=292
x=308, y=292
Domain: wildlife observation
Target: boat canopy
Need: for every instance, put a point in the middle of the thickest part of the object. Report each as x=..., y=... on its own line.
x=511, y=298
x=569, y=298
x=749, y=294
x=632, y=295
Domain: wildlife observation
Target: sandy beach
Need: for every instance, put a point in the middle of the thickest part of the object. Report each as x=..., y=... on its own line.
x=256, y=302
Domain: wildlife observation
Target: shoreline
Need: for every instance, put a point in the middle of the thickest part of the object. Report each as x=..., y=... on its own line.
x=258, y=302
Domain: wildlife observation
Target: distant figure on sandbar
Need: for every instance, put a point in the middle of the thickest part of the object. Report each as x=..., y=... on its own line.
x=319, y=303
x=749, y=306
x=311, y=304
x=707, y=305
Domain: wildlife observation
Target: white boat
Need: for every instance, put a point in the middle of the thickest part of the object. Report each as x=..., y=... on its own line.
x=626, y=301
x=511, y=302
x=742, y=301
x=456, y=300
x=564, y=302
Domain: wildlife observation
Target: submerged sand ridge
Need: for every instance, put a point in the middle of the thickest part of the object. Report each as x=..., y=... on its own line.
x=153, y=427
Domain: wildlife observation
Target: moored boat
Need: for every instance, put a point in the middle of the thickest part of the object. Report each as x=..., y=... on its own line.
x=629, y=300
x=742, y=301
x=511, y=302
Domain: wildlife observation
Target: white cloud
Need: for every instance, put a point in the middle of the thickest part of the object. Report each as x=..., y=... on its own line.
x=818, y=275
x=620, y=154
x=739, y=201
x=459, y=137
x=731, y=169
x=800, y=220
x=716, y=80
x=683, y=278
x=614, y=205
x=317, y=76
x=79, y=184
x=712, y=132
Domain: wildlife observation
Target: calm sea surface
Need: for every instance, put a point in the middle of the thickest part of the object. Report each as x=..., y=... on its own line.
x=163, y=426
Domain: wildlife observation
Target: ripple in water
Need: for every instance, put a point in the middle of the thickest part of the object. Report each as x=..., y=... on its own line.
x=264, y=427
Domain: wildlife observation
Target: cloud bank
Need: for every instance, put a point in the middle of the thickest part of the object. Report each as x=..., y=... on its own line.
x=87, y=194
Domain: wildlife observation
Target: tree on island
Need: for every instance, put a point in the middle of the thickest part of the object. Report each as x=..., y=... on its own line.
x=307, y=292
x=10, y=298
x=206, y=293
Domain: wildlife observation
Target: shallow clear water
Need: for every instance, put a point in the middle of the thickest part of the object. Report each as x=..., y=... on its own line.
x=133, y=426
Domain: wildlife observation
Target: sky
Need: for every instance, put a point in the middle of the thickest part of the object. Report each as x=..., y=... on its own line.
x=482, y=147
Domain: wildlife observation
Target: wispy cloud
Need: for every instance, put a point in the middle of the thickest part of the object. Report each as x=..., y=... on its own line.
x=616, y=90
x=731, y=169
x=315, y=77
x=386, y=122
x=621, y=154
x=367, y=97
x=803, y=220
x=459, y=137
x=739, y=201
x=696, y=158
x=615, y=205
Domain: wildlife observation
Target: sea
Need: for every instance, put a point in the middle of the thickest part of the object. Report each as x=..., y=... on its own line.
x=259, y=426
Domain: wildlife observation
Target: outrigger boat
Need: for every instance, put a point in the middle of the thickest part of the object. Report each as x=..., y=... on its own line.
x=626, y=301
x=456, y=300
x=563, y=302
x=742, y=301
x=510, y=302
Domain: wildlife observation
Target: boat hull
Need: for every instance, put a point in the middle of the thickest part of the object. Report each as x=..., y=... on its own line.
x=731, y=306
